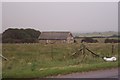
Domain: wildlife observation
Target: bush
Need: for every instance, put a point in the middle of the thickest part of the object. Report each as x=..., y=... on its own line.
x=111, y=41
x=89, y=40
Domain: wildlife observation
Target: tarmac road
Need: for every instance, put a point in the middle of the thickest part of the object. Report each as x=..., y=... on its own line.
x=109, y=73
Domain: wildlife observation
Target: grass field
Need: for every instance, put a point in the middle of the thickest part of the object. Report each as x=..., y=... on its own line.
x=40, y=60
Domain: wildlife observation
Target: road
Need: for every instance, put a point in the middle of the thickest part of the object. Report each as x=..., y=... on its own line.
x=109, y=73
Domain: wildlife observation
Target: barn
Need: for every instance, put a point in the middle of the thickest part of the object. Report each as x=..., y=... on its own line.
x=56, y=37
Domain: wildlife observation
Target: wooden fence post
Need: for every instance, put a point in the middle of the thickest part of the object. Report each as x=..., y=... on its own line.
x=112, y=48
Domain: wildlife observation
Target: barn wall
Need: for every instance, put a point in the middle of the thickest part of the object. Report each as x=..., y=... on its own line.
x=52, y=41
x=42, y=41
x=70, y=39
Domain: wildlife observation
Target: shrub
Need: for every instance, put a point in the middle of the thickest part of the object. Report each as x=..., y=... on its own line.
x=89, y=40
x=111, y=41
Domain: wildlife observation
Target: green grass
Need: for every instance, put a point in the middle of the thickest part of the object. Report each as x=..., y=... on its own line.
x=40, y=60
x=57, y=70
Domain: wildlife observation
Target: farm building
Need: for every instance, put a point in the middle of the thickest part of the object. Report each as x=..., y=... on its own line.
x=56, y=37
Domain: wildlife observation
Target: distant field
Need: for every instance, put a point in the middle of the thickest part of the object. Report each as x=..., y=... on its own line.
x=92, y=34
x=40, y=60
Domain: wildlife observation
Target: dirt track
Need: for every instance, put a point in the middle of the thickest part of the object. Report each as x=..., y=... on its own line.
x=109, y=73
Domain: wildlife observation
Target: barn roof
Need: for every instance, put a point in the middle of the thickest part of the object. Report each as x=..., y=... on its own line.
x=54, y=35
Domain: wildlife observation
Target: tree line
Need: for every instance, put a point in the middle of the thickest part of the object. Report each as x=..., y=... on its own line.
x=107, y=40
x=20, y=35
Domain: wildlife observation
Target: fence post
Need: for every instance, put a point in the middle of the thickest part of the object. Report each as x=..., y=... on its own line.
x=112, y=48
x=52, y=51
x=83, y=49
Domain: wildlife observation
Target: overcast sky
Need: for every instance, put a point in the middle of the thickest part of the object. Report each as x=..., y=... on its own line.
x=61, y=16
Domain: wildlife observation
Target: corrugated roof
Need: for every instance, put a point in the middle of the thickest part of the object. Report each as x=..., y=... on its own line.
x=54, y=35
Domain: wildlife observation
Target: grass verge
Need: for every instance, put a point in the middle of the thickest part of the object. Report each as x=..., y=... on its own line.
x=44, y=72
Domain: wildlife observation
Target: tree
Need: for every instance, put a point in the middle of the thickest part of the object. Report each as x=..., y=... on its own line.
x=20, y=35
